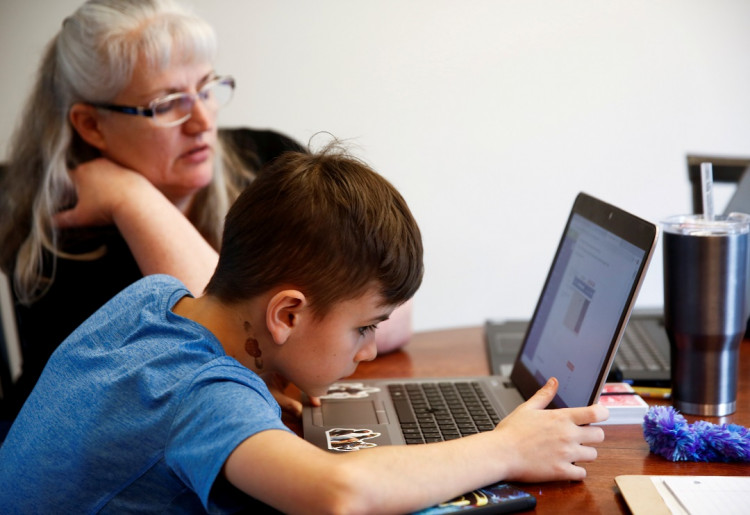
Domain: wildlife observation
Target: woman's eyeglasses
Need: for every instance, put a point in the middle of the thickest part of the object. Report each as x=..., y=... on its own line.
x=177, y=108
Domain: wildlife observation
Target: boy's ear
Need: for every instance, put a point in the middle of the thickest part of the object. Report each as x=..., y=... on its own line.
x=283, y=313
x=85, y=120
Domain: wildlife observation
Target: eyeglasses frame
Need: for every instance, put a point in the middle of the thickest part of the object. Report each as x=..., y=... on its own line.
x=149, y=111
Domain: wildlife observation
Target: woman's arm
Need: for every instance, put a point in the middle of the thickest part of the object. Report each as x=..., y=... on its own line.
x=160, y=237
x=395, y=332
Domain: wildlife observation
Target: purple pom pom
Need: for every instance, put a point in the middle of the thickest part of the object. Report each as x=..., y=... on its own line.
x=669, y=435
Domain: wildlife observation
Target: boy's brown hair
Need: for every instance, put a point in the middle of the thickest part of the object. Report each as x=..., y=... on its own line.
x=324, y=223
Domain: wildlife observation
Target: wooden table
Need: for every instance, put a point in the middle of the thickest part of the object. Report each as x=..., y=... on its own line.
x=461, y=352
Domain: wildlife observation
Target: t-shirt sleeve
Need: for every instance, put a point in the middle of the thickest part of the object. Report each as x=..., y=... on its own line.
x=223, y=407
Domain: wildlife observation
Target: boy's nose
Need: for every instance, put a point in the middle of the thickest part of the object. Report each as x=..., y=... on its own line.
x=369, y=352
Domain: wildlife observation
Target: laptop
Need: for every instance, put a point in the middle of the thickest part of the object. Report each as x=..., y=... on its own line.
x=573, y=335
x=642, y=359
x=740, y=203
x=740, y=199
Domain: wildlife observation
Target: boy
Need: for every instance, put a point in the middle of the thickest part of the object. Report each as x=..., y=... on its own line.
x=156, y=402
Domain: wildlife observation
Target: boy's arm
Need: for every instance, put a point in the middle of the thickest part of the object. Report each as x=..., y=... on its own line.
x=531, y=444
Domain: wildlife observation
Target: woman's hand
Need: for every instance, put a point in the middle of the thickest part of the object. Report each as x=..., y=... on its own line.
x=160, y=236
x=102, y=186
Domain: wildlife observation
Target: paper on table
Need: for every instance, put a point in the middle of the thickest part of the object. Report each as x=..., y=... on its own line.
x=709, y=495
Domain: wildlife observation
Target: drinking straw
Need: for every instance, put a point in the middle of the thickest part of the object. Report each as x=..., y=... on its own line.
x=707, y=179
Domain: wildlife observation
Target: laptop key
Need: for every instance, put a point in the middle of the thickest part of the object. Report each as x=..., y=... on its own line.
x=403, y=411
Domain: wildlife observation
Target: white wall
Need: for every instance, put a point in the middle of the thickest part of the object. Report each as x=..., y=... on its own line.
x=488, y=115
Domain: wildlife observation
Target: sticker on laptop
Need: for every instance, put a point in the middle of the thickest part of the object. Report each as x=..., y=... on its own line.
x=349, y=391
x=346, y=440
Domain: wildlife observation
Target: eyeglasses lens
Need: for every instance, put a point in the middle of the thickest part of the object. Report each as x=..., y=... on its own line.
x=178, y=108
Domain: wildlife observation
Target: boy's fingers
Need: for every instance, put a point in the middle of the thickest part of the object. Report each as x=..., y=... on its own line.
x=290, y=406
x=590, y=415
x=544, y=395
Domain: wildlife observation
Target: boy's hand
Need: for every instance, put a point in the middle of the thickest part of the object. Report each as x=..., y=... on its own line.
x=544, y=444
x=277, y=385
x=291, y=409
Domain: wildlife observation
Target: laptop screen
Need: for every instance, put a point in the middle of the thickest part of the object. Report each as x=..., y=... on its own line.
x=582, y=309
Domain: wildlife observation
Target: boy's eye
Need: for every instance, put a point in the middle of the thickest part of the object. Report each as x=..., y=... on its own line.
x=366, y=329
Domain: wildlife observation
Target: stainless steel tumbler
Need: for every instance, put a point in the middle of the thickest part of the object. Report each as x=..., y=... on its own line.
x=705, y=311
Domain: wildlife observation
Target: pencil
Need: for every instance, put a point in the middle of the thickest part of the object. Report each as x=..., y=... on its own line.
x=653, y=392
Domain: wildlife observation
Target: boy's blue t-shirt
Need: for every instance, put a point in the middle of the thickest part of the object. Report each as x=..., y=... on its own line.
x=136, y=411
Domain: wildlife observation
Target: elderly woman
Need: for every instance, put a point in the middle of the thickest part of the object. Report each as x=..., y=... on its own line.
x=117, y=169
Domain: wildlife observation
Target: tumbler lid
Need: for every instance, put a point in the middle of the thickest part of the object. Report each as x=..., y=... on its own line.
x=698, y=225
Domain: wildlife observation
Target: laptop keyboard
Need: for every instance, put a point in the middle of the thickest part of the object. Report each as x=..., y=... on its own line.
x=433, y=412
x=637, y=351
x=642, y=357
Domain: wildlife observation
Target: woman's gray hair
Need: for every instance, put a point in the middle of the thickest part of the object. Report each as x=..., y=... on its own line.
x=99, y=45
x=91, y=59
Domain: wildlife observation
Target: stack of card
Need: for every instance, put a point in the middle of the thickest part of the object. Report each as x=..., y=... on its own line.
x=624, y=404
